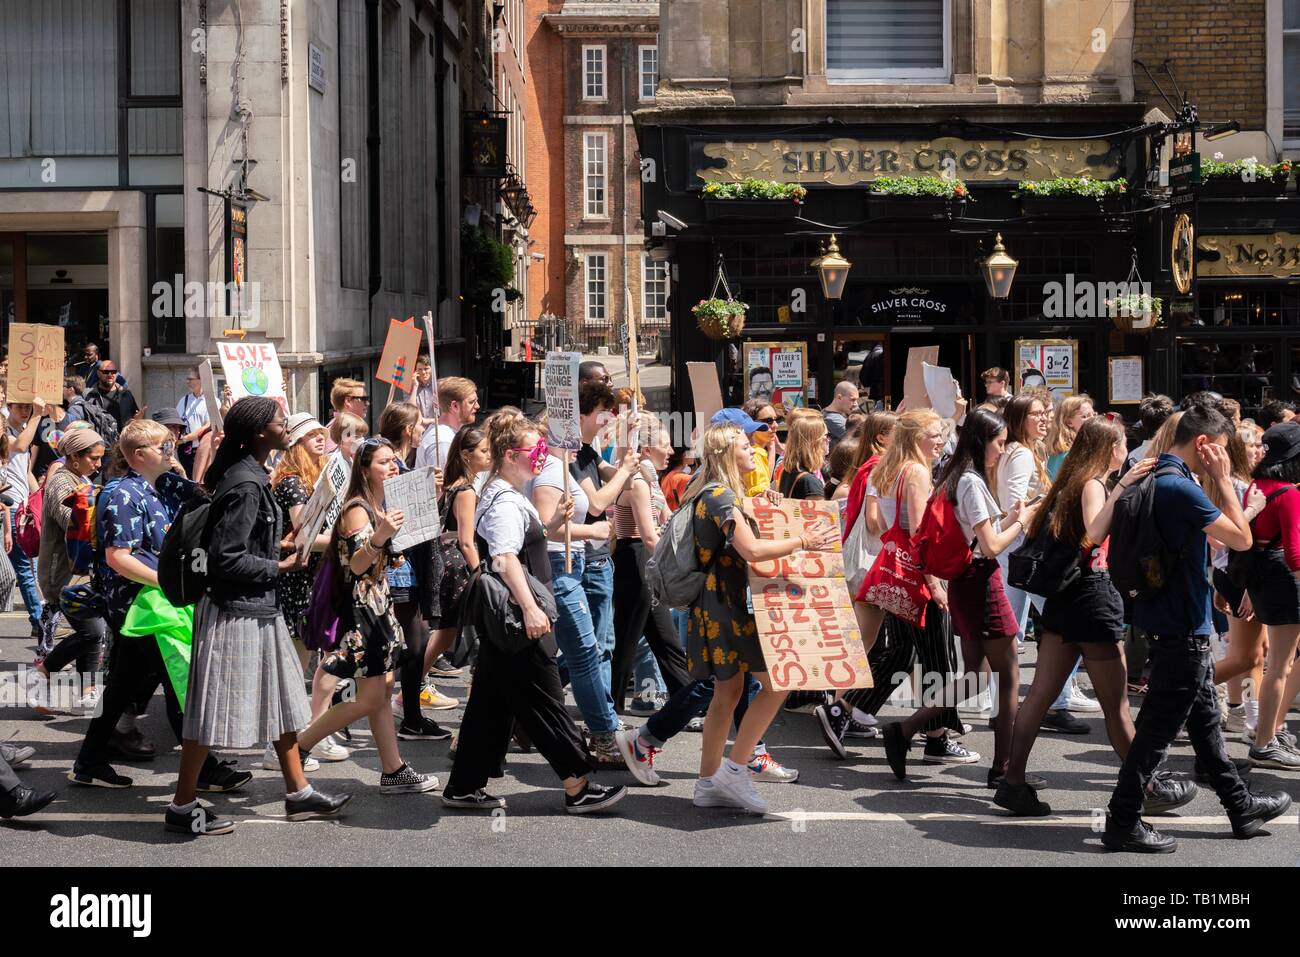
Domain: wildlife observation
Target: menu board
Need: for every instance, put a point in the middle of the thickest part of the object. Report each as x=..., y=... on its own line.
x=1126, y=379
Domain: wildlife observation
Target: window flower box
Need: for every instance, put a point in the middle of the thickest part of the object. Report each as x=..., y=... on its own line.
x=753, y=199
x=916, y=197
x=1071, y=196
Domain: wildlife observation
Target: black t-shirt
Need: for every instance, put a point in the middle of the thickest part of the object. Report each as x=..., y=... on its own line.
x=43, y=451
x=586, y=465
x=801, y=485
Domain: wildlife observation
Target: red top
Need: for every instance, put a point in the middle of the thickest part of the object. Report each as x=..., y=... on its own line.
x=673, y=484
x=857, y=495
x=1279, y=520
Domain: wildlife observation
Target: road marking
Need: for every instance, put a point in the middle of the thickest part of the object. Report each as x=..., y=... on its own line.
x=1070, y=817
x=153, y=819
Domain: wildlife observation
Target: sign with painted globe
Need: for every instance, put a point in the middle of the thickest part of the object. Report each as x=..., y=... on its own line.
x=252, y=368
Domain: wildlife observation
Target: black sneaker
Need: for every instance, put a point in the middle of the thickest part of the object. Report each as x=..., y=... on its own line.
x=22, y=801
x=857, y=729
x=896, y=748
x=946, y=751
x=315, y=805
x=1166, y=794
x=443, y=668
x=221, y=777
x=425, y=730
x=197, y=822
x=1062, y=723
x=1261, y=809
x=130, y=746
x=97, y=776
x=1021, y=800
x=593, y=798
x=1032, y=780
x=1141, y=838
x=406, y=780
x=1275, y=754
x=475, y=800
x=1243, y=766
x=834, y=721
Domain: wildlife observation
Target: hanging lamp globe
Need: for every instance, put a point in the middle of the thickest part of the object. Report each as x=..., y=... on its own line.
x=999, y=269
x=833, y=270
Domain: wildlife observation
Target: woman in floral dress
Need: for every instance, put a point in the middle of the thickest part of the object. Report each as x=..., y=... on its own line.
x=369, y=650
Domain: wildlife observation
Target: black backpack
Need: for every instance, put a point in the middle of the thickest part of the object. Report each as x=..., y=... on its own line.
x=1141, y=564
x=1044, y=565
x=183, y=559
x=100, y=419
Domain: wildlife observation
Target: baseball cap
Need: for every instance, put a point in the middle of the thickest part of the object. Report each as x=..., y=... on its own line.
x=168, y=417
x=301, y=424
x=737, y=417
x=1281, y=443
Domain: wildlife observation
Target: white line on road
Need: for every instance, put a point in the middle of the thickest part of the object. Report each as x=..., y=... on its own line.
x=1079, y=817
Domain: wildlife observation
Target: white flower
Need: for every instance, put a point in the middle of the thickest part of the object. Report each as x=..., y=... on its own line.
x=1218, y=155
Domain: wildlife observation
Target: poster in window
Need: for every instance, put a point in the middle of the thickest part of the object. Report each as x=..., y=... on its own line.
x=1050, y=363
x=1125, y=379
x=777, y=372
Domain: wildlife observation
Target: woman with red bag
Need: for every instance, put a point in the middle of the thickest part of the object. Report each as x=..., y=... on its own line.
x=912, y=609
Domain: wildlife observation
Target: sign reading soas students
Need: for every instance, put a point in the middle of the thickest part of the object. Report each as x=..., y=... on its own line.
x=35, y=362
x=809, y=636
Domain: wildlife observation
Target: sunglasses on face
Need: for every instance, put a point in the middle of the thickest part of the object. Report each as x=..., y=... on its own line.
x=108, y=372
x=360, y=398
x=537, y=453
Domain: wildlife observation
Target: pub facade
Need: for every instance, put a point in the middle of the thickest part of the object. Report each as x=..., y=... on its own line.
x=916, y=263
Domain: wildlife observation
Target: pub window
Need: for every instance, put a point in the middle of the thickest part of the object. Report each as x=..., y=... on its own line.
x=1291, y=73
x=878, y=41
x=1225, y=308
x=1244, y=370
x=654, y=292
x=593, y=72
x=649, y=71
x=593, y=164
x=594, y=286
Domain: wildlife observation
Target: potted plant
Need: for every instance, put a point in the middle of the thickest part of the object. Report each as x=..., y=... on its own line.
x=1244, y=177
x=1134, y=312
x=916, y=197
x=753, y=199
x=1071, y=196
x=720, y=318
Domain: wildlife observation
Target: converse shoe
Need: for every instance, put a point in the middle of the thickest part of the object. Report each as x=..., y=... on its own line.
x=406, y=780
x=640, y=761
x=737, y=784
x=857, y=729
x=1081, y=703
x=946, y=751
x=271, y=760
x=834, y=721
x=764, y=767
x=981, y=704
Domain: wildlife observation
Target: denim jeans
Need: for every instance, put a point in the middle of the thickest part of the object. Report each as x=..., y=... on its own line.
x=691, y=702
x=26, y=574
x=1180, y=691
x=576, y=636
x=598, y=583
x=646, y=679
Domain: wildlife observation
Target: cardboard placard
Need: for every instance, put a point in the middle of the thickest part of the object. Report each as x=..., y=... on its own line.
x=35, y=362
x=806, y=627
x=253, y=368
x=415, y=495
x=326, y=503
x=914, y=394
x=560, y=386
x=397, y=361
x=941, y=389
x=706, y=391
x=210, y=398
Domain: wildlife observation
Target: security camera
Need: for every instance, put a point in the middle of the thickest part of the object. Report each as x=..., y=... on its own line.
x=671, y=220
x=658, y=228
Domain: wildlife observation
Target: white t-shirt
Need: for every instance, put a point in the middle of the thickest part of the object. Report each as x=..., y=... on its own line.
x=439, y=437
x=975, y=503
x=1018, y=478
x=502, y=518
x=15, y=471
x=555, y=474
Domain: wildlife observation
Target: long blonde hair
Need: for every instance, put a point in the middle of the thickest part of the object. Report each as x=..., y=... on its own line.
x=718, y=460
x=1061, y=436
x=805, y=451
x=1163, y=440
x=905, y=449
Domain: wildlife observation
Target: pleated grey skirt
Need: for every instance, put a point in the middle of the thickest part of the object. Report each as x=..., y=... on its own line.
x=245, y=680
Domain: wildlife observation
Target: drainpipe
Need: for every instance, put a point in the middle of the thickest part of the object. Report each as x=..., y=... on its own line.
x=440, y=67
x=374, y=217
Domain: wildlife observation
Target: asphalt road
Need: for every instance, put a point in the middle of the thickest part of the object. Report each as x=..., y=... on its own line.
x=839, y=813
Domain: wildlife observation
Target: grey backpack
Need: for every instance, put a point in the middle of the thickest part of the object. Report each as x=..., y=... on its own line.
x=672, y=573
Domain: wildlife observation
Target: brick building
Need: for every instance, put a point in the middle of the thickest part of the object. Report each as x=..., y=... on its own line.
x=601, y=64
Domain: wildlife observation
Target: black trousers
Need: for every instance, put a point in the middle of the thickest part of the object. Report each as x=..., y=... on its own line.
x=411, y=669
x=524, y=687
x=635, y=615
x=86, y=644
x=8, y=778
x=1180, y=691
x=900, y=646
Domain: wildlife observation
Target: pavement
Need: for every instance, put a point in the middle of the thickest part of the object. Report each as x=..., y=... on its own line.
x=839, y=813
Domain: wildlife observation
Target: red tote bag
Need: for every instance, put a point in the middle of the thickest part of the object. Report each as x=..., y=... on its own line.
x=895, y=582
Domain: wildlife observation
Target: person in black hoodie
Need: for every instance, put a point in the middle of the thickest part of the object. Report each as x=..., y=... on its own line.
x=245, y=679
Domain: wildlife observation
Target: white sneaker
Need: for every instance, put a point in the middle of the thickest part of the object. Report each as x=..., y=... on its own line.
x=330, y=750
x=640, y=761
x=1236, y=721
x=764, y=767
x=735, y=783
x=706, y=795
x=90, y=700
x=981, y=704
x=1081, y=703
x=271, y=761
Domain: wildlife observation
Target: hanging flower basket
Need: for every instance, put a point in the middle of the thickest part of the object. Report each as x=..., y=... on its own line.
x=720, y=318
x=916, y=197
x=1134, y=312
